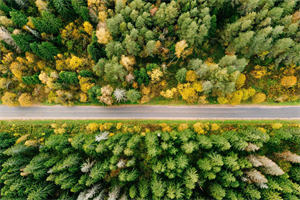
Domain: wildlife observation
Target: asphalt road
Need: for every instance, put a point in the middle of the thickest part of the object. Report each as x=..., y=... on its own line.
x=150, y=112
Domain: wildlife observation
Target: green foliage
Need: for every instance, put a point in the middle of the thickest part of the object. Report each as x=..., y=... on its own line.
x=75, y=165
x=95, y=50
x=217, y=40
x=45, y=50
x=23, y=41
x=68, y=77
x=31, y=80
x=47, y=23
x=133, y=95
x=64, y=8
x=93, y=93
x=18, y=18
x=81, y=9
x=142, y=76
x=180, y=75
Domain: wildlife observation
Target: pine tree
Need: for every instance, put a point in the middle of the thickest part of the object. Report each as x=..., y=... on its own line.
x=18, y=18
x=47, y=23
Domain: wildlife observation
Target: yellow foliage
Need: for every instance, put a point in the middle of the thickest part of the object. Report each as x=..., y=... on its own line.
x=119, y=126
x=276, y=125
x=22, y=138
x=169, y=94
x=191, y=76
x=102, y=15
x=83, y=97
x=179, y=47
x=127, y=62
x=5, y=21
x=59, y=131
x=156, y=74
x=146, y=90
x=188, y=94
x=197, y=86
x=7, y=58
x=247, y=93
x=107, y=126
x=30, y=57
x=9, y=99
x=3, y=83
x=92, y=127
x=145, y=99
x=258, y=72
x=182, y=127
x=236, y=97
x=202, y=100
x=222, y=100
x=111, y=134
x=167, y=129
x=103, y=34
x=259, y=98
x=262, y=129
x=214, y=127
x=25, y=99
x=137, y=129
x=41, y=64
x=16, y=69
x=199, y=128
x=240, y=81
x=288, y=81
x=135, y=85
x=88, y=28
x=84, y=83
x=75, y=62
x=41, y=5
x=31, y=143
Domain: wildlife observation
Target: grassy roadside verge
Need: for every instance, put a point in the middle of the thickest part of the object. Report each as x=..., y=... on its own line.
x=7, y=123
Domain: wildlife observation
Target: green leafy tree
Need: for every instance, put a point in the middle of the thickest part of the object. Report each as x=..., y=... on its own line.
x=133, y=95
x=68, y=77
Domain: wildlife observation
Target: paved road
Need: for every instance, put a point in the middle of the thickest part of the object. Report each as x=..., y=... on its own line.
x=151, y=112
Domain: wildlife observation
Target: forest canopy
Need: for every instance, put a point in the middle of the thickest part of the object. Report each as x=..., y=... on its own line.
x=200, y=160
x=136, y=51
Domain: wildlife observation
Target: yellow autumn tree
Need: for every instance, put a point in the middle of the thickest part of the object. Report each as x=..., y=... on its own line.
x=92, y=127
x=197, y=86
x=25, y=99
x=16, y=68
x=88, y=28
x=103, y=34
x=127, y=62
x=179, y=48
x=276, y=125
x=222, y=100
x=182, y=127
x=288, y=81
x=199, y=128
x=9, y=99
x=259, y=98
x=169, y=94
x=156, y=75
x=85, y=84
x=75, y=62
x=191, y=76
x=3, y=83
x=240, y=81
x=236, y=97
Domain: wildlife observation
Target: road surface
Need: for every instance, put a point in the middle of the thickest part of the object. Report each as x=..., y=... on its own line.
x=150, y=112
